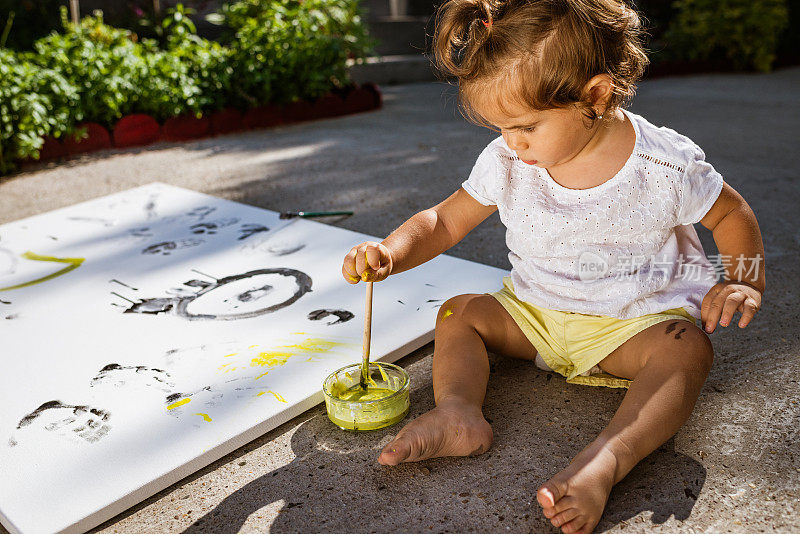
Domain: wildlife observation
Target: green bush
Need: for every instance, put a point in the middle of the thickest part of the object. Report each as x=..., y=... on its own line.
x=104, y=63
x=283, y=50
x=207, y=62
x=293, y=49
x=746, y=32
x=34, y=102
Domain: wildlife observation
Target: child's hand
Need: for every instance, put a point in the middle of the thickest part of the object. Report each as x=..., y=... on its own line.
x=725, y=299
x=369, y=261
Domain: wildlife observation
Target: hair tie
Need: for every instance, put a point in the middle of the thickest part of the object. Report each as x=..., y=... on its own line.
x=487, y=24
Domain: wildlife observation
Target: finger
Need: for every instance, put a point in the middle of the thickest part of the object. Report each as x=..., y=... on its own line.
x=361, y=260
x=349, y=278
x=707, y=300
x=732, y=303
x=748, y=308
x=380, y=274
x=349, y=267
x=374, y=257
x=714, y=311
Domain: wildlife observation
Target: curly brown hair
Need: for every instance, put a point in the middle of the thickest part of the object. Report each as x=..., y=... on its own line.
x=538, y=54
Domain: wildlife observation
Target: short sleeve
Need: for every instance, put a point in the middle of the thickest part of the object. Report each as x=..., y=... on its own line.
x=699, y=189
x=482, y=184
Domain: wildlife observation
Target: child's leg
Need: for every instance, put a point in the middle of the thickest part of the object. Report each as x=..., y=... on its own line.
x=668, y=363
x=466, y=327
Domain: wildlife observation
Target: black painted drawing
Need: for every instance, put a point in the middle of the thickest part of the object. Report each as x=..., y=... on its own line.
x=83, y=422
x=342, y=316
x=239, y=296
x=165, y=248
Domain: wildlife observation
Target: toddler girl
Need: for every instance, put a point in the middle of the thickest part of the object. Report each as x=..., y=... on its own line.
x=608, y=278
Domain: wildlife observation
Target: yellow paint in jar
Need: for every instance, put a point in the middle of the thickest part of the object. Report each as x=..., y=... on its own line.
x=384, y=402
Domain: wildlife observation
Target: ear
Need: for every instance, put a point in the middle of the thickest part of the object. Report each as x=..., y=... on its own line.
x=598, y=91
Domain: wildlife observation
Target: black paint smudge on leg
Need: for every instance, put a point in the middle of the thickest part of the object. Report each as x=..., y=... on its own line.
x=250, y=229
x=671, y=327
x=681, y=331
x=318, y=315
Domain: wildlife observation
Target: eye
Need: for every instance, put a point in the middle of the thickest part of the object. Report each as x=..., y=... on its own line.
x=529, y=129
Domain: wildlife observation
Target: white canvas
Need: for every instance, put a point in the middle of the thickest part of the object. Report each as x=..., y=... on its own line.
x=146, y=334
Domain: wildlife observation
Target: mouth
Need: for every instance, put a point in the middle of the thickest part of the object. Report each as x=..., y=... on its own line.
x=532, y=162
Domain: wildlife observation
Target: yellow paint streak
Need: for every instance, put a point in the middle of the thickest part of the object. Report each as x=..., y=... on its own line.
x=314, y=345
x=277, y=396
x=229, y=355
x=446, y=314
x=252, y=346
x=178, y=403
x=74, y=263
x=271, y=359
x=205, y=416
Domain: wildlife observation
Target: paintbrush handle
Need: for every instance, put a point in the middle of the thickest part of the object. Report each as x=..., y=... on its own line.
x=367, y=333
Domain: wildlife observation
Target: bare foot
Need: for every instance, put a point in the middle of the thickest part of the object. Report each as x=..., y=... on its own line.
x=450, y=429
x=574, y=499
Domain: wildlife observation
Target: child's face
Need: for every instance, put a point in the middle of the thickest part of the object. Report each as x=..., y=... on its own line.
x=546, y=138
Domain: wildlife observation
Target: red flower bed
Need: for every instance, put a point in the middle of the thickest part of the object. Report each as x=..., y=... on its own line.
x=140, y=129
x=51, y=149
x=136, y=130
x=262, y=117
x=329, y=105
x=226, y=121
x=97, y=138
x=186, y=127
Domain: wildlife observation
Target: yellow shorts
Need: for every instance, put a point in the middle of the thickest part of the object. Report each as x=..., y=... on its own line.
x=572, y=344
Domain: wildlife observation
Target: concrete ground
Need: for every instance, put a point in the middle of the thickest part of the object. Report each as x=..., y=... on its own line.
x=734, y=467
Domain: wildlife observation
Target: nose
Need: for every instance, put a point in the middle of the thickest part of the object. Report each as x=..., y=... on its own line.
x=515, y=141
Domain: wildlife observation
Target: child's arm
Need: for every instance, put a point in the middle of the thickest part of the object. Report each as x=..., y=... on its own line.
x=421, y=238
x=738, y=238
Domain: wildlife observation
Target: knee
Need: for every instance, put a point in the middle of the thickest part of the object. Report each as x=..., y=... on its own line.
x=692, y=349
x=469, y=309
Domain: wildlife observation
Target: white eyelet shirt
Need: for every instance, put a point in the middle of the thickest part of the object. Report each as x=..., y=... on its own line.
x=624, y=248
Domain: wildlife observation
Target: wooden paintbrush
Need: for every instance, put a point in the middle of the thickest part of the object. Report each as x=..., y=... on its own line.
x=367, y=336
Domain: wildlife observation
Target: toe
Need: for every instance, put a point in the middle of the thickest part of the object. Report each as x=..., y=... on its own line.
x=573, y=526
x=395, y=452
x=550, y=493
x=564, y=517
